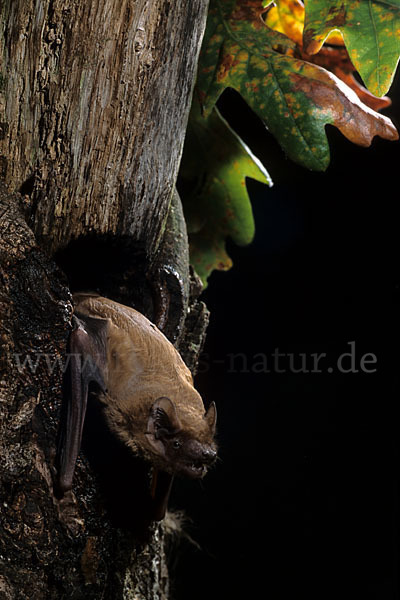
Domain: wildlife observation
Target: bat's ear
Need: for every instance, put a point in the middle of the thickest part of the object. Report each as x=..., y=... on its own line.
x=163, y=422
x=164, y=418
x=211, y=417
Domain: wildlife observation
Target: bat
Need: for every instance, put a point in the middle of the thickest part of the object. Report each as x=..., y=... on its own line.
x=146, y=392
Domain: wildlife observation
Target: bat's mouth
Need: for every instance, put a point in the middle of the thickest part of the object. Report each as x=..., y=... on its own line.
x=196, y=466
x=194, y=470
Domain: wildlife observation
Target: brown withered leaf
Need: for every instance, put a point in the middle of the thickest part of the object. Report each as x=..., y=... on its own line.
x=359, y=123
x=287, y=16
x=295, y=98
x=365, y=95
x=336, y=59
x=371, y=33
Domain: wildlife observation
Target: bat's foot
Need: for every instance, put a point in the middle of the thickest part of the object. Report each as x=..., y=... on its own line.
x=68, y=514
x=160, y=489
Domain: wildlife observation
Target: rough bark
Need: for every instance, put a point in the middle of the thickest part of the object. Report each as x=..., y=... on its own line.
x=94, y=99
x=103, y=92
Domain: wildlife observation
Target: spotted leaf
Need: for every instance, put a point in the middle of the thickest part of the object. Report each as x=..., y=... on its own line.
x=287, y=16
x=371, y=32
x=294, y=98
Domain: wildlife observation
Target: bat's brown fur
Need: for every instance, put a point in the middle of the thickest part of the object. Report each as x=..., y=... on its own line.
x=143, y=366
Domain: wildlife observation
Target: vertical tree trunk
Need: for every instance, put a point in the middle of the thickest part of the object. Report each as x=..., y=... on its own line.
x=94, y=99
x=95, y=104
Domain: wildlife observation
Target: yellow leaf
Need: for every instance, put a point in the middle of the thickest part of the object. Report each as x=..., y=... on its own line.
x=335, y=38
x=287, y=16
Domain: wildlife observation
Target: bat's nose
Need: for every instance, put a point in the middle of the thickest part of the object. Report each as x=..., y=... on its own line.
x=209, y=456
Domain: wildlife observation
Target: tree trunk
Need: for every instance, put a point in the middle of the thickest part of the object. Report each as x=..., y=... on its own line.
x=94, y=99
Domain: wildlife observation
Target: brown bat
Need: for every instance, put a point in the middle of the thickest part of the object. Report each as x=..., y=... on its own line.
x=146, y=390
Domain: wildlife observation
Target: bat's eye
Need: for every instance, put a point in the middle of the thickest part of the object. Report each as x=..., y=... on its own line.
x=176, y=444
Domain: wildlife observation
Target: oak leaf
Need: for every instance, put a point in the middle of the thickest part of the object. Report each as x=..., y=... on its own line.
x=371, y=33
x=287, y=16
x=295, y=99
x=212, y=185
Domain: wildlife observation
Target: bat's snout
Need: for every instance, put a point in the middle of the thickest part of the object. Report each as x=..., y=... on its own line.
x=197, y=464
x=209, y=456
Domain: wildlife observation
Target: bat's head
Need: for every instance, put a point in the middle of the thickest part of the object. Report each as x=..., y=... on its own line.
x=181, y=445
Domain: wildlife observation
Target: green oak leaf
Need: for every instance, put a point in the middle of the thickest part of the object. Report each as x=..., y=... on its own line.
x=295, y=99
x=371, y=33
x=212, y=187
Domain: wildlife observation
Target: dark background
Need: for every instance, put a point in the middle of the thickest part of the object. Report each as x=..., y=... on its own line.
x=304, y=500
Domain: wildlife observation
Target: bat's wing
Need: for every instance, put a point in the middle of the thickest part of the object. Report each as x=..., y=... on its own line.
x=87, y=356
